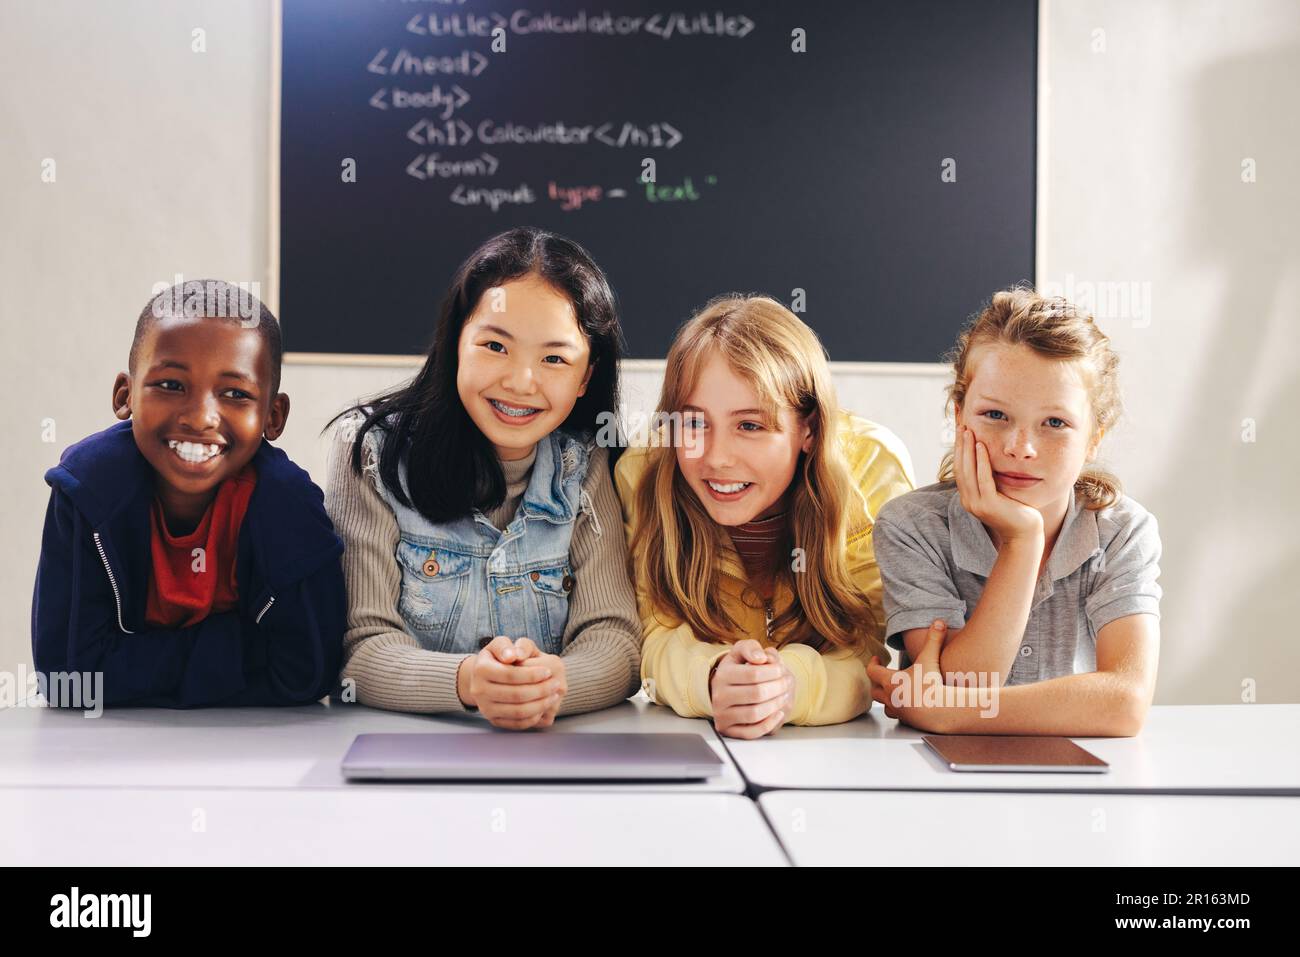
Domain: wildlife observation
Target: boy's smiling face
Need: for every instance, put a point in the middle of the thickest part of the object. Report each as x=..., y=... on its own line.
x=200, y=400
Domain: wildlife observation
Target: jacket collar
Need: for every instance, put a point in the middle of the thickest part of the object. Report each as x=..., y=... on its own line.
x=111, y=484
x=558, y=456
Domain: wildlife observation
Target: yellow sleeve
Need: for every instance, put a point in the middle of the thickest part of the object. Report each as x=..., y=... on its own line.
x=675, y=668
x=830, y=688
x=882, y=470
x=675, y=664
x=833, y=687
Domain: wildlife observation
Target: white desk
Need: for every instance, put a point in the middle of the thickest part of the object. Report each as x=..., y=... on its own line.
x=398, y=825
x=272, y=747
x=1206, y=749
x=879, y=828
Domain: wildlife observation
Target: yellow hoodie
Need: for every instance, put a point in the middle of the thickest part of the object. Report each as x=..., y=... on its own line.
x=831, y=687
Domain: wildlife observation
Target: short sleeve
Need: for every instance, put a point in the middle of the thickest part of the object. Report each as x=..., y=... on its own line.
x=1127, y=584
x=914, y=568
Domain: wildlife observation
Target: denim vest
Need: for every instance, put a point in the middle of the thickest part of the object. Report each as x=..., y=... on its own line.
x=465, y=581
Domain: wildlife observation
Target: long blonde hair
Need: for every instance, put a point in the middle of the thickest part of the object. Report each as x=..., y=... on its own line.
x=677, y=547
x=1055, y=329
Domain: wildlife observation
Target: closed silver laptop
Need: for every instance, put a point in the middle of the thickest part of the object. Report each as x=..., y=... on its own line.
x=507, y=756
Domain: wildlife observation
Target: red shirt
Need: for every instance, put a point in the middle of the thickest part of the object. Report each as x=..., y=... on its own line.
x=185, y=588
x=759, y=544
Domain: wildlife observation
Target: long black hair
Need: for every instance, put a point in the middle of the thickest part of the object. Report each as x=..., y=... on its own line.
x=451, y=467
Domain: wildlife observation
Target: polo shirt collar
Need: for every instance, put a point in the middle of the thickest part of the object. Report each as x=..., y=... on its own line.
x=1081, y=544
x=973, y=550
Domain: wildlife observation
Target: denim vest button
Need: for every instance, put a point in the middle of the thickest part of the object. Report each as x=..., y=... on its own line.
x=464, y=579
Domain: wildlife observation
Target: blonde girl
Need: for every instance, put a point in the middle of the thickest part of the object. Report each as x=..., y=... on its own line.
x=750, y=527
x=1025, y=569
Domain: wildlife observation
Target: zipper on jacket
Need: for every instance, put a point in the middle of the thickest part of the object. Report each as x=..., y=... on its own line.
x=265, y=609
x=769, y=621
x=117, y=598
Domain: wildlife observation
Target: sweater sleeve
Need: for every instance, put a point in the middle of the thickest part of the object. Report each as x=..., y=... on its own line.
x=602, y=639
x=830, y=687
x=676, y=667
x=386, y=665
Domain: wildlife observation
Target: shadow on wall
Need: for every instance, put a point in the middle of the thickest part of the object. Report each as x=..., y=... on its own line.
x=1230, y=494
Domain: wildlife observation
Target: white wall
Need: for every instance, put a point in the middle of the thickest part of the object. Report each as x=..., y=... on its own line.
x=162, y=167
x=1144, y=151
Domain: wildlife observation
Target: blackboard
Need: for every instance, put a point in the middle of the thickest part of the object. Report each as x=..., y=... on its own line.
x=887, y=171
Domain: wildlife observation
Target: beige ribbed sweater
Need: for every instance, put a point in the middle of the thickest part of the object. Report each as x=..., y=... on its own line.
x=602, y=640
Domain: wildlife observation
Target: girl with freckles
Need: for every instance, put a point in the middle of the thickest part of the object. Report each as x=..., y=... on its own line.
x=1025, y=569
x=750, y=527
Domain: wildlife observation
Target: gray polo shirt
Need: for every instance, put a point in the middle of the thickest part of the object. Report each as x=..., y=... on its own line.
x=935, y=557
